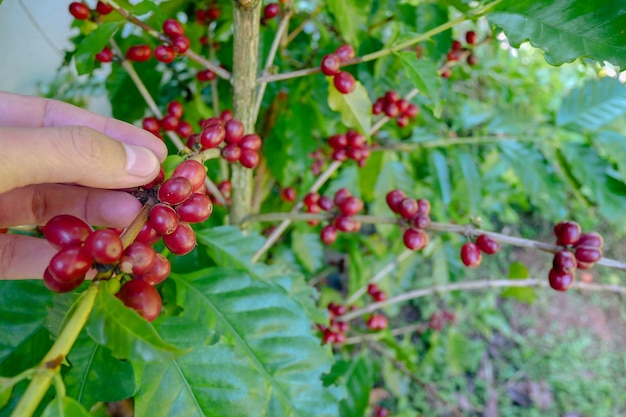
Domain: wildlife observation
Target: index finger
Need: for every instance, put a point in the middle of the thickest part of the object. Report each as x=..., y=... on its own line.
x=25, y=111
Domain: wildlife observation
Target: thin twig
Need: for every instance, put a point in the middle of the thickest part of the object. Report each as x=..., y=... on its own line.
x=412, y=328
x=473, y=286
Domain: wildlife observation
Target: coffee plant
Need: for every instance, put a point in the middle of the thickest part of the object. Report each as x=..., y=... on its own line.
x=321, y=153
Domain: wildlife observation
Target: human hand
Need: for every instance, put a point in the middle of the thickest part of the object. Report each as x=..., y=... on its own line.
x=56, y=158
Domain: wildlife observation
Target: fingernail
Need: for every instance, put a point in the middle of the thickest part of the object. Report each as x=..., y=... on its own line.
x=140, y=162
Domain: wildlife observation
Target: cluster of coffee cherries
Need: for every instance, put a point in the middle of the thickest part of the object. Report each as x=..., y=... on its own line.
x=580, y=251
x=347, y=206
x=205, y=75
x=182, y=200
x=225, y=129
x=395, y=107
x=336, y=332
x=171, y=122
x=178, y=44
x=376, y=321
x=81, y=11
x=439, y=319
x=416, y=214
x=208, y=14
x=343, y=81
x=458, y=51
x=351, y=145
x=471, y=252
x=376, y=293
x=81, y=249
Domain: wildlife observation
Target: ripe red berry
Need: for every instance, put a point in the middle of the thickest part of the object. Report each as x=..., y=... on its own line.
x=185, y=130
x=212, y=136
x=158, y=273
x=345, y=223
x=226, y=115
x=355, y=154
x=330, y=64
x=213, y=12
x=446, y=73
x=196, y=209
x=344, y=82
x=173, y=28
x=338, y=141
x=587, y=254
x=141, y=297
x=590, y=239
x=251, y=141
x=379, y=296
x=377, y=322
x=378, y=106
x=288, y=194
x=137, y=258
x=193, y=170
x=345, y=53
x=402, y=121
x=456, y=46
x=415, y=239
x=311, y=199
x=470, y=255
x=164, y=53
x=139, y=53
x=351, y=205
x=148, y=235
x=59, y=286
x=328, y=234
x=169, y=122
x=271, y=11
x=182, y=241
x=411, y=111
x=488, y=244
x=421, y=221
x=106, y=55
x=568, y=233
x=470, y=37
x=394, y=199
x=564, y=262
x=339, y=155
x=341, y=195
x=70, y=264
x=103, y=8
x=175, y=109
x=181, y=44
x=326, y=203
x=392, y=110
x=408, y=208
x=231, y=152
x=152, y=125
x=423, y=206
x=560, y=281
x=380, y=411
x=79, y=10
x=372, y=288
x=205, y=75
x=355, y=139
x=234, y=131
x=472, y=60
x=163, y=219
x=175, y=191
x=64, y=231
x=104, y=246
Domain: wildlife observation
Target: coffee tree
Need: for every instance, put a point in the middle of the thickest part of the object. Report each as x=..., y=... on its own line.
x=322, y=155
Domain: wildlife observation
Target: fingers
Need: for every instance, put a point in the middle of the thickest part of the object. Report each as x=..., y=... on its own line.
x=73, y=154
x=39, y=203
x=23, y=257
x=24, y=111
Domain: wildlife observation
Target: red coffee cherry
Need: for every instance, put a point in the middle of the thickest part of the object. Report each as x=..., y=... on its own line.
x=345, y=223
x=79, y=10
x=175, y=191
x=271, y=11
x=173, y=28
x=590, y=239
x=339, y=155
x=345, y=52
x=470, y=255
x=137, y=259
x=423, y=206
x=488, y=244
x=560, y=281
x=288, y=194
x=158, y=273
x=226, y=115
x=472, y=60
x=567, y=233
x=175, y=109
x=181, y=44
x=392, y=110
x=103, y=8
x=378, y=106
x=328, y=234
x=185, y=130
x=139, y=53
x=330, y=64
x=164, y=53
x=411, y=111
x=338, y=141
x=148, y=235
x=212, y=136
x=141, y=297
x=408, y=208
x=70, y=264
x=64, y=231
x=106, y=55
x=251, y=141
x=152, y=125
x=193, y=170
x=311, y=199
x=394, y=199
x=470, y=37
x=351, y=205
x=587, y=254
x=205, y=75
x=377, y=322
x=344, y=82
x=234, y=131
x=104, y=246
x=326, y=203
x=163, y=219
x=169, y=122
x=196, y=209
x=421, y=221
x=564, y=262
x=402, y=121
x=415, y=239
x=182, y=241
x=59, y=286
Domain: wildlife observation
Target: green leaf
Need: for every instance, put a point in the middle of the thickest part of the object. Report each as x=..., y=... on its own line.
x=22, y=311
x=518, y=270
x=229, y=247
x=456, y=352
x=440, y=163
x=594, y=105
x=265, y=326
x=65, y=407
x=565, y=29
x=92, y=370
x=425, y=77
x=308, y=249
x=126, y=102
x=355, y=108
x=93, y=43
x=471, y=179
x=613, y=145
x=6, y=388
x=198, y=383
x=351, y=18
x=358, y=377
x=126, y=333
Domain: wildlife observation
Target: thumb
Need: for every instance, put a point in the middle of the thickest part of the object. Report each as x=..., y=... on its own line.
x=72, y=154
